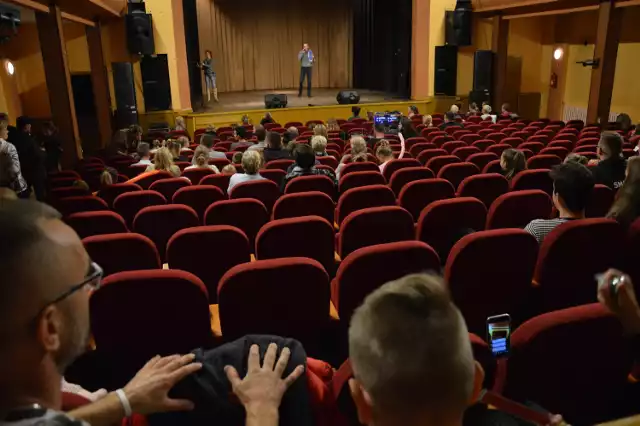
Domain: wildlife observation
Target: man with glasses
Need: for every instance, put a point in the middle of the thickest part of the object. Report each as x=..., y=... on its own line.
x=45, y=282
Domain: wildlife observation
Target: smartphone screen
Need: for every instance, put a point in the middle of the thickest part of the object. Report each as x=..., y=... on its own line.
x=499, y=334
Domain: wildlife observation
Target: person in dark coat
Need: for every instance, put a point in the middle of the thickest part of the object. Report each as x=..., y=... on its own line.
x=32, y=157
x=52, y=146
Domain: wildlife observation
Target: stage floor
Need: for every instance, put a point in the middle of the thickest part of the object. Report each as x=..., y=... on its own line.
x=238, y=101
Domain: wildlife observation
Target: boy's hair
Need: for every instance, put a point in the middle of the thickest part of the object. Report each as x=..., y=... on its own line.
x=574, y=184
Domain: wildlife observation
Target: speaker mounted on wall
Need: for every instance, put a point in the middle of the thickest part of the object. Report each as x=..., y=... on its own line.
x=446, y=70
x=346, y=97
x=458, y=27
x=273, y=100
x=483, y=70
x=155, y=82
x=139, y=24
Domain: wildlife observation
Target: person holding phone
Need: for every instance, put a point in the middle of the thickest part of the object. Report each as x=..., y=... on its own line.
x=306, y=59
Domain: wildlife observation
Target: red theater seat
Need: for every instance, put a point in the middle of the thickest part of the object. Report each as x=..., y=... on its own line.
x=533, y=179
x=551, y=353
x=359, y=179
x=110, y=192
x=570, y=257
x=312, y=203
x=399, y=164
x=485, y=187
x=543, y=161
x=220, y=181
x=196, y=175
x=465, y=152
x=247, y=214
x=498, y=149
x=601, y=201
x=363, y=198
x=57, y=194
x=87, y=203
x=482, y=159
x=159, y=223
x=376, y=225
x=368, y=268
x=457, y=172
x=168, y=187
x=279, y=165
x=130, y=203
x=306, y=236
x=122, y=252
x=199, y=198
x=490, y=272
x=146, y=181
x=406, y=175
x=226, y=246
x=442, y=223
x=437, y=163
x=275, y=291
x=265, y=191
x=417, y=195
x=516, y=209
x=87, y=224
x=318, y=183
x=366, y=166
x=425, y=156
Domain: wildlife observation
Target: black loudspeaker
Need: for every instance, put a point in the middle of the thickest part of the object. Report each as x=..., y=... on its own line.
x=347, y=97
x=273, y=100
x=155, y=82
x=457, y=28
x=126, y=107
x=483, y=70
x=140, y=33
x=446, y=70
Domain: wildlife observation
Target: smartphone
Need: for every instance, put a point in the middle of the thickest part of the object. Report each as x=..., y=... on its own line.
x=499, y=334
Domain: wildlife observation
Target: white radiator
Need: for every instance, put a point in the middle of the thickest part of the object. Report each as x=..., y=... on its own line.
x=577, y=113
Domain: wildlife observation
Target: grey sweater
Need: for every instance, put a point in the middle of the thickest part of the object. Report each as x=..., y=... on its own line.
x=306, y=60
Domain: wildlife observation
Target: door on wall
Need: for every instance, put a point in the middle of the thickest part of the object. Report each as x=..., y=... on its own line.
x=85, y=103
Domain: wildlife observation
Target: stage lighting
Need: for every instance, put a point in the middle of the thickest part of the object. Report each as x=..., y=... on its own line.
x=557, y=54
x=10, y=68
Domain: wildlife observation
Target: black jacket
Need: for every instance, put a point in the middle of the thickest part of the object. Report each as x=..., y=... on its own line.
x=449, y=124
x=211, y=392
x=610, y=172
x=32, y=158
x=271, y=154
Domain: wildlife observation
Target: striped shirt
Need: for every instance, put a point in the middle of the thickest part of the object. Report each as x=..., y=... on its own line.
x=540, y=228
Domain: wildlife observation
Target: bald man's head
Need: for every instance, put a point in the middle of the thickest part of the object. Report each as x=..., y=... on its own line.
x=41, y=258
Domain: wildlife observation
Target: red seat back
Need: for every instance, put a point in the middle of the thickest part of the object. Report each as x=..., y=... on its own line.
x=377, y=225
x=86, y=203
x=363, y=198
x=465, y=152
x=516, y=209
x=265, y=191
x=159, y=223
x=485, y=187
x=168, y=187
x=122, y=252
x=359, y=179
x=306, y=236
x=110, y=192
x=279, y=165
x=442, y=223
x=533, y=179
x=227, y=245
x=601, y=201
x=457, y=172
x=417, y=195
x=196, y=175
x=543, y=161
x=408, y=174
x=87, y=224
x=220, y=181
x=366, y=166
x=490, y=272
x=130, y=203
x=398, y=164
x=482, y=159
x=247, y=214
x=318, y=183
x=199, y=198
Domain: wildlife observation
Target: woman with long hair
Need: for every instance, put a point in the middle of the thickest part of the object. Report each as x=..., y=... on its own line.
x=321, y=130
x=626, y=208
x=163, y=160
x=513, y=161
x=201, y=160
x=358, y=154
x=175, y=147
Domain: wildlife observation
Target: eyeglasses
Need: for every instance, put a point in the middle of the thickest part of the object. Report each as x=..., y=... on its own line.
x=93, y=280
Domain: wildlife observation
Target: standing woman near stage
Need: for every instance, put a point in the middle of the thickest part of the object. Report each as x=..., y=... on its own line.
x=209, y=76
x=306, y=58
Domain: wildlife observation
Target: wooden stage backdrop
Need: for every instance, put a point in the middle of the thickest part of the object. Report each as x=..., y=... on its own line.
x=255, y=43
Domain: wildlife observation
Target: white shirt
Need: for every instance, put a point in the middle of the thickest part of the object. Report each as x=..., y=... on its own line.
x=214, y=168
x=239, y=178
x=143, y=163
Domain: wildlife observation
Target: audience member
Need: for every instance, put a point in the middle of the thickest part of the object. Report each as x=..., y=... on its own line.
x=384, y=153
x=32, y=158
x=450, y=120
x=378, y=135
x=611, y=168
x=333, y=126
x=413, y=110
x=210, y=129
x=486, y=113
x=305, y=165
x=208, y=141
x=473, y=109
x=184, y=143
x=275, y=150
x=293, y=131
x=358, y=154
x=175, y=148
x=626, y=208
x=506, y=111
x=118, y=144
x=201, y=160
x=251, y=163
x=424, y=374
x=143, y=154
x=355, y=110
x=10, y=172
x=623, y=303
x=261, y=135
x=180, y=124
x=229, y=170
x=455, y=109
x=237, y=158
x=636, y=132
x=52, y=146
x=163, y=161
x=427, y=120
x=319, y=146
x=45, y=326
x=245, y=120
x=134, y=137
x=407, y=129
x=572, y=188
x=109, y=176
x=267, y=119
x=624, y=123
x=241, y=139
x=576, y=158
x=321, y=130
x=512, y=161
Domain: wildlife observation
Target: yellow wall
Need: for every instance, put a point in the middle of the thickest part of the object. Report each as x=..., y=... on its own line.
x=578, y=77
x=481, y=39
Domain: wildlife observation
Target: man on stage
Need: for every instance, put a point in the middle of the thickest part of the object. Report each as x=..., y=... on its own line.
x=306, y=59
